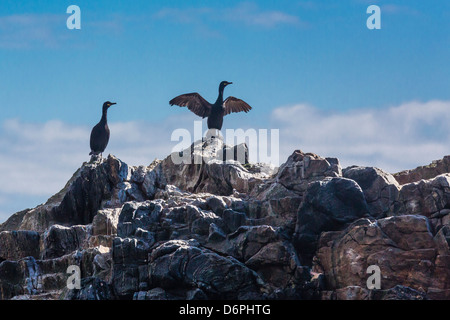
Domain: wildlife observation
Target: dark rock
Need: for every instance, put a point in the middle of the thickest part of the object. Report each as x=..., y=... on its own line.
x=302, y=168
x=215, y=233
x=59, y=240
x=398, y=293
x=216, y=204
x=381, y=190
x=402, y=247
x=92, y=288
x=196, y=294
x=11, y=279
x=155, y=294
x=130, y=258
x=328, y=205
x=233, y=220
x=426, y=197
x=15, y=245
x=177, y=263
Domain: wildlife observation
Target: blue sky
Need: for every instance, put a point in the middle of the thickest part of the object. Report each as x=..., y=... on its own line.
x=315, y=59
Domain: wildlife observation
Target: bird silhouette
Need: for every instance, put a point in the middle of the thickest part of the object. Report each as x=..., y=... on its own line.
x=100, y=133
x=215, y=112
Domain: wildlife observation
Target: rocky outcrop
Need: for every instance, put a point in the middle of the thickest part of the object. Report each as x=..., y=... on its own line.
x=301, y=169
x=201, y=168
x=328, y=205
x=427, y=172
x=426, y=197
x=59, y=240
x=207, y=228
x=180, y=263
x=92, y=187
x=380, y=189
x=15, y=245
x=404, y=248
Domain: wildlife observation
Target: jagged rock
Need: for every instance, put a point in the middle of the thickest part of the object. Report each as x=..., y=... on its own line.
x=275, y=204
x=59, y=240
x=180, y=262
x=395, y=293
x=202, y=169
x=136, y=216
x=84, y=194
x=402, y=247
x=278, y=199
x=231, y=230
x=328, y=205
x=52, y=295
x=426, y=197
x=11, y=279
x=381, y=190
x=29, y=278
x=430, y=171
x=130, y=258
x=105, y=222
x=216, y=204
x=15, y=245
x=102, y=264
x=232, y=220
x=92, y=288
x=247, y=241
x=14, y=222
x=265, y=251
x=215, y=233
x=302, y=168
x=153, y=294
x=196, y=294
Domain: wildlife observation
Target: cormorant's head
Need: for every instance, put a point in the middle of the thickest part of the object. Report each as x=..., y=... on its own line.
x=223, y=84
x=108, y=104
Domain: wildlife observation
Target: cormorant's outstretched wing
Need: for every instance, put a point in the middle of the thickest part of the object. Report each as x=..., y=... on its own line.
x=232, y=104
x=194, y=102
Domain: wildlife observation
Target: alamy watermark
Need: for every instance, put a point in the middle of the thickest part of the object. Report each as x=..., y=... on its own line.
x=260, y=149
x=374, y=21
x=74, y=20
x=374, y=281
x=74, y=280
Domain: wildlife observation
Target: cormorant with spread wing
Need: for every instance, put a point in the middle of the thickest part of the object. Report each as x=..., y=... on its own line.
x=215, y=112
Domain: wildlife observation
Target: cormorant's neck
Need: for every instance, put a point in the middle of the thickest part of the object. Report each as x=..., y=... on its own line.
x=105, y=115
x=220, y=97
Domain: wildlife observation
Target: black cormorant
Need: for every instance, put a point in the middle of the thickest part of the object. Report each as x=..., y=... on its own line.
x=100, y=133
x=215, y=112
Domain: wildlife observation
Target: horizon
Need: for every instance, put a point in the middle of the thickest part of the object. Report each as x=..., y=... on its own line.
x=313, y=70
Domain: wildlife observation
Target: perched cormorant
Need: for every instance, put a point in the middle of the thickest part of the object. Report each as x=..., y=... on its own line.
x=100, y=133
x=215, y=112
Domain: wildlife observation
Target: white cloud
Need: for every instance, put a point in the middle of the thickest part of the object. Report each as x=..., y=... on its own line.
x=27, y=30
x=249, y=13
x=395, y=138
x=246, y=13
x=399, y=9
x=24, y=31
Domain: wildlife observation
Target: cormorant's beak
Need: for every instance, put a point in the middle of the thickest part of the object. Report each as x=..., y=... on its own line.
x=113, y=103
x=229, y=83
